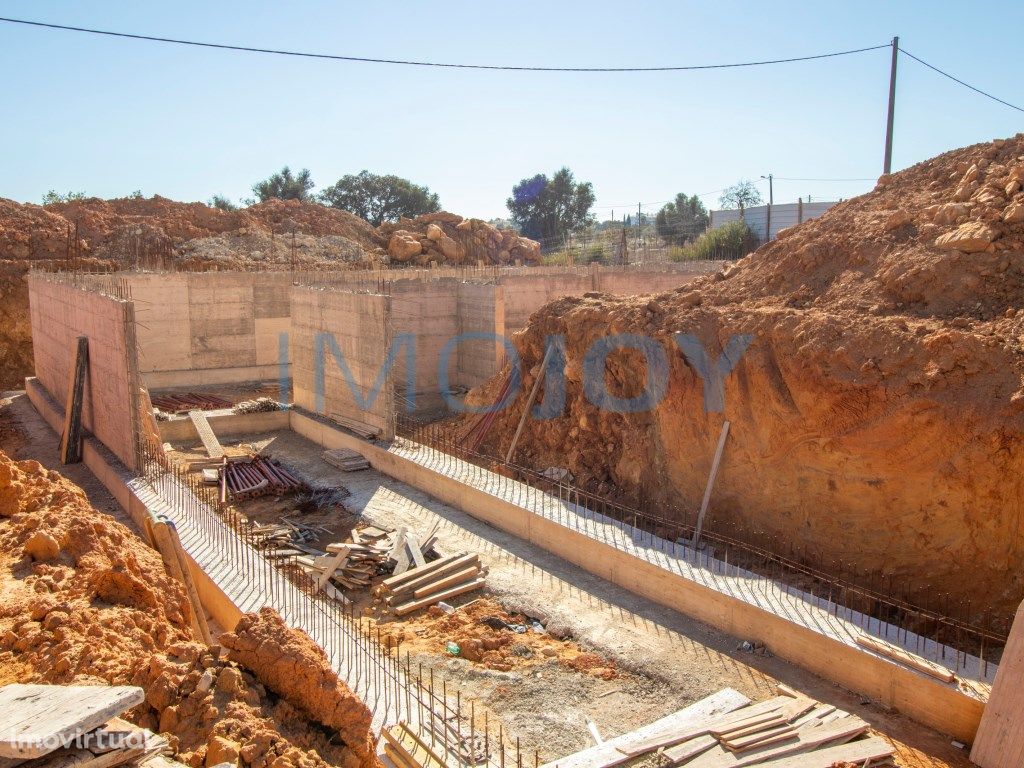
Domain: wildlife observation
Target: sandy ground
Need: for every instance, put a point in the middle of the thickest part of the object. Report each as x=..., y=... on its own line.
x=664, y=660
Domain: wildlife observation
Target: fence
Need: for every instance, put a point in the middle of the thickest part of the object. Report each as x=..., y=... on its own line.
x=765, y=221
x=835, y=585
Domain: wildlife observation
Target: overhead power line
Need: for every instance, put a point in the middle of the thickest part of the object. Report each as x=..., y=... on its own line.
x=961, y=82
x=414, y=63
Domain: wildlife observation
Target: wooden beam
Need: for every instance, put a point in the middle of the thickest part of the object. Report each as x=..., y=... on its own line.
x=711, y=482
x=529, y=403
x=610, y=753
x=71, y=438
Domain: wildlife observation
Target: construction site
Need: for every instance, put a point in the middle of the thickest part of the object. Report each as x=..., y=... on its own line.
x=596, y=405
x=424, y=513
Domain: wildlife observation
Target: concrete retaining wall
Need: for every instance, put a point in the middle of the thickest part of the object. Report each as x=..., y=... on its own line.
x=224, y=424
x=428, y=312
x=210, y=327
x=922, y=698
x=60, y=313
x=481, y=316
x=360, y=326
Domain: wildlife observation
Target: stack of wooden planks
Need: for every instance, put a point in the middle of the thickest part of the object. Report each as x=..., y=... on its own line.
x=351, y=564
x=346, y=460
x=56, y=726
x=364, y=431
x=430, y=583
x=788, y=730
x=287, y=538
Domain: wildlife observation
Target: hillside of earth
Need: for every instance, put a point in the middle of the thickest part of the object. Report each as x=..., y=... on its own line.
x=876, y=401
x=84, y=601
x=157, y=233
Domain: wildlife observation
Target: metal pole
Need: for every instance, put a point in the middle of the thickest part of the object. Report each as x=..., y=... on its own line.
x=892, y=106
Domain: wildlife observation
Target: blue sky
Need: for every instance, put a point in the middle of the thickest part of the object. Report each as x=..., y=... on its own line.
x=110, y=116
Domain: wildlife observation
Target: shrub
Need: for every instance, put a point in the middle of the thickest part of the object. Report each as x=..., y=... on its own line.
x=53, y=196
x=729, y=241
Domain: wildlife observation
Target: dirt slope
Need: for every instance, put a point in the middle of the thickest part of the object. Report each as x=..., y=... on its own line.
x=83, y=600
x=877, y=414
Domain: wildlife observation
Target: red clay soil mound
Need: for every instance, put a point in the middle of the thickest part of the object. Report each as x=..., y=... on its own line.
x=85, y=601
x=297, y=669
x=876, y=417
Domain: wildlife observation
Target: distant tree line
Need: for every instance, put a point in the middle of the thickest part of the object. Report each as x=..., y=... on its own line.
x=548, y=209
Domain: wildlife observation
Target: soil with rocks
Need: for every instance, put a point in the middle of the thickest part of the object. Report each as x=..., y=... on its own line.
x=483, y=633
x=877, y=414
x=84, y=601
x=157, y=233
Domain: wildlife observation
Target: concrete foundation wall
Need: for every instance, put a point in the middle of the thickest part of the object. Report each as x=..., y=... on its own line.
x=481, y=312
x=60, y=314
x=631, y=283
x=360, y=326
x=210, y=327
x=935, y=704
x=427, y=311
x=525, y=294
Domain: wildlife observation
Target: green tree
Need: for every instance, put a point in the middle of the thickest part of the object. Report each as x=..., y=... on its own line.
x=53, y=196
x=546, y=209
x=222, y=203
x=380, y=198
x=742, y=194
x=682, y=219
x=285, y=185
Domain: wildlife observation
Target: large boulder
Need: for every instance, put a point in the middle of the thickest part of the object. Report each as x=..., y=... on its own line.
x=404, y=245
x=971, y=237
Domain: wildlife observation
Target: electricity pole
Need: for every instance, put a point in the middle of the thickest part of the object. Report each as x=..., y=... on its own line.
x=892, y=106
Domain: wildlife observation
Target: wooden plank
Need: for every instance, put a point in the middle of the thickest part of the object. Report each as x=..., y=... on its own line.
x=858, y=752
x=430, y=575
x=338, y=560
x=761, y=738
x=904, y=656
x=689, y=749
x=999, y=742
x=71, y=438
x=205, y=431
x=401, y=610
x=393, y=581
x=712, y=725
x=460, y=577
x=34, y=719
x=723, y=435
x=609, y=754
x=809, y=737
x=412, y=543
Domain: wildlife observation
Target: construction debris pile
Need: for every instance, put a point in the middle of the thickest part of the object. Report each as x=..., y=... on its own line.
x=727, y=731
x=258, y=405
x=346, y=460
x=189, y=401
x=874, y=386
x=449, y=239
x=86, y=602
x=419, y=574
